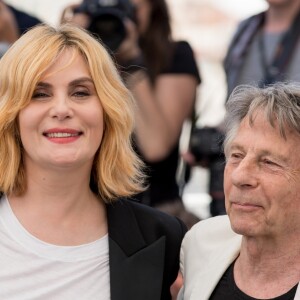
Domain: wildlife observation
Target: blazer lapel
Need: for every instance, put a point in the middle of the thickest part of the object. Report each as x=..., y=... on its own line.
x=133, y=262
x=212, y=271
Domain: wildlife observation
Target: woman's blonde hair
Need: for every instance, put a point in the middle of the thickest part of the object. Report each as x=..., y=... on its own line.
x=116, y=169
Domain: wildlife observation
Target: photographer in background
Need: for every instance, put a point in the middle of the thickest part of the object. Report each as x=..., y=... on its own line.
x=162, y=74
x=13, y=23
x=265, y=49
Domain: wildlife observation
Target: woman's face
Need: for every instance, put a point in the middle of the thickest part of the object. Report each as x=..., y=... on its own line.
x=143, y=14
x=63, y=124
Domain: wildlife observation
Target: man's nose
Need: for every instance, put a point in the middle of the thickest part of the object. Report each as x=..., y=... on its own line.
x=245, y=173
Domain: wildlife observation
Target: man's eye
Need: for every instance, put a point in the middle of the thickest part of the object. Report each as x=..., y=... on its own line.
x=236, y=155
x=269, y=162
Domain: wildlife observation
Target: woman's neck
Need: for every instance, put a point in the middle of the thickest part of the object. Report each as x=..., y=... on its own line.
x=60, y=208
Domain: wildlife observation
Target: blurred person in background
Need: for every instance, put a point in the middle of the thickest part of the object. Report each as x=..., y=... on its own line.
x=163, y=77
x=67, y=167
x=265, y=49
x=254, y=251
x=13, y=23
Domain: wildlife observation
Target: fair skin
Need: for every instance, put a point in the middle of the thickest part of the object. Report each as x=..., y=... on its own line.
x=9, y=31
x=61, y=130
x=143, y=12
x=262, y=190
x=280, y=15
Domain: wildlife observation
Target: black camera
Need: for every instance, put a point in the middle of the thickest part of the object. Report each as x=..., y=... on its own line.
x=206, y=143
x=107, y=19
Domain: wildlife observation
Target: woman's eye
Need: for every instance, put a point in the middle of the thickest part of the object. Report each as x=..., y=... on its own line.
x=38, y=94
x=81, y=93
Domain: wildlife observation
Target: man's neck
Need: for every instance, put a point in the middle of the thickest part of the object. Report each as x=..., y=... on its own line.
x=280, y=18
x=266, y=271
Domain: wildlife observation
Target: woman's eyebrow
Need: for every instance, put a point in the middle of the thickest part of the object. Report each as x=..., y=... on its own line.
x=81, y=80
x=72, y=83
x=43, y=84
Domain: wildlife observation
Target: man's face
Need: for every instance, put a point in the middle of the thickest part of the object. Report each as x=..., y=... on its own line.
x=262, y=180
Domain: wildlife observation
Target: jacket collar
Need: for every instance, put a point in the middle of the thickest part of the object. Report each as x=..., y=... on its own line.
x=136, y=267
x=123, y=227
x=213, y=270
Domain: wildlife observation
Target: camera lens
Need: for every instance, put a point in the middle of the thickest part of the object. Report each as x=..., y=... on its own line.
x=110, y=29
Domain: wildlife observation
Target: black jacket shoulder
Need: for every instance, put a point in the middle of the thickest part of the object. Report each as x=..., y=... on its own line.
x=151, y=222
x=144, y=251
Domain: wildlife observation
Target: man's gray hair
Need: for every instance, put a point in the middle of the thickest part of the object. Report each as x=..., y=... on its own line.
x=280, y=102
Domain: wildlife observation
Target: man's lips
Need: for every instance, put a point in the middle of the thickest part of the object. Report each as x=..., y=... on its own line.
x=245, y=205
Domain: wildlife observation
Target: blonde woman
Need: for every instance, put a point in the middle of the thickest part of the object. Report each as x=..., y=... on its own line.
x=67, y=230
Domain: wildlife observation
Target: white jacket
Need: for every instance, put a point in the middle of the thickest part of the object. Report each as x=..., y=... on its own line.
x=206, y=252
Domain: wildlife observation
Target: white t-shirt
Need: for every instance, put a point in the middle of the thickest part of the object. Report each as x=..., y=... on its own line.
x=31, y=269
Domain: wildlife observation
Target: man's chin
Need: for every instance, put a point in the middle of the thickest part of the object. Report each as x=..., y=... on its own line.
x=243, y=226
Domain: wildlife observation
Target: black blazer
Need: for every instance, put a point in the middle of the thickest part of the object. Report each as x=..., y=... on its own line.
x=144, y=246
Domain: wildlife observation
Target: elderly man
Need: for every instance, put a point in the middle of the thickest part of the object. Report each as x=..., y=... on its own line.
x=254, y=252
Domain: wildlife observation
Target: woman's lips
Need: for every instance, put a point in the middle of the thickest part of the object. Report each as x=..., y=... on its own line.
x=62, y=136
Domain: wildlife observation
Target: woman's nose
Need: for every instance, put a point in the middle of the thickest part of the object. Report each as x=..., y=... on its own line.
x=61, y=108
